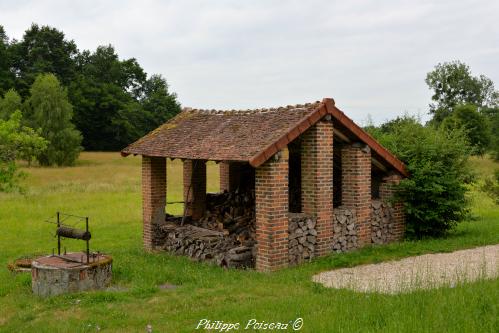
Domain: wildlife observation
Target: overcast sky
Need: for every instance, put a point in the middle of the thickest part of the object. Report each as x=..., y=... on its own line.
x=370, y=56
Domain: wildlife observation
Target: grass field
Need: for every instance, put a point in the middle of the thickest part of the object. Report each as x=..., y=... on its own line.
x=106, y=187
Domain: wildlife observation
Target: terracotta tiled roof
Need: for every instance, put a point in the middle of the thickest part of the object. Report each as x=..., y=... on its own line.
x=252, y=136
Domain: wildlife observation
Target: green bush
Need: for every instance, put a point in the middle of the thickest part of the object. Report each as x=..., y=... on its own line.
x=474, y=124
x=434, y=194
x=492, y=114
x=491, y=186
x=16, y=141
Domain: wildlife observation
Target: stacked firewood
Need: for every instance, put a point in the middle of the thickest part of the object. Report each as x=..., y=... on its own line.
x=225, y=235
x=302, y=237
x=232, y=213
x=344, y=230
x=203, y=244
x=381, y=222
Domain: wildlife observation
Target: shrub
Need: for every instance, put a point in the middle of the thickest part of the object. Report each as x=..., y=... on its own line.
x=434, y=194
x=16, y=141
x=474, y=124
x=492, y=114
x=491, y=186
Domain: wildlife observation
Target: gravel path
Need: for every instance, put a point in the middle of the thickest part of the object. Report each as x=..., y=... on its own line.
x=420, y=272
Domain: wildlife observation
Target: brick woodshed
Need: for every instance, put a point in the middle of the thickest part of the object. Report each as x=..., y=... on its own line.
x=306, y=159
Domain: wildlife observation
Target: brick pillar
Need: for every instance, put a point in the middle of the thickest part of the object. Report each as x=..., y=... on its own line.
x=224, y=176
x=317, y=181
x=153, y=195
x=195, y=185
x=356, y=186
x=386, y=191
x=271, y=206
x=230, y=176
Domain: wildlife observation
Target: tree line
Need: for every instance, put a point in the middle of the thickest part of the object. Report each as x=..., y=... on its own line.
x=56, y=100
x=465, y=122
x=113, y=101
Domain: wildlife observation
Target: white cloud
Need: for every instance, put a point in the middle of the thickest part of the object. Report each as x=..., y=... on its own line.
x=371, y=56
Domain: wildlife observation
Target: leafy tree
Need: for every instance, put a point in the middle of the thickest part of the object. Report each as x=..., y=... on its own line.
x=43, y=50
x=452, y=84
x=9, y=104
x=492, y=114
x=474, y=125
x=114, y=101
x=104, y=88
x=16, y=141
x=6, y=75
x=491, y=186
x=434, y=194
x=159, y=104
x=154, y=108
x=52, y=113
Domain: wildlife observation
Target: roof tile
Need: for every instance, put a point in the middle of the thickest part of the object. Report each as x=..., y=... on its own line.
x=244, y=135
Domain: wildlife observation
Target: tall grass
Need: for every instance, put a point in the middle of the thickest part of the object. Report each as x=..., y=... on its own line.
x=106, y=187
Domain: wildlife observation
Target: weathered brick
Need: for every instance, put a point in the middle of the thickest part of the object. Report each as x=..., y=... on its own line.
x=271, y=194
x=153, y=195
x=317, y=181
x=356, y=186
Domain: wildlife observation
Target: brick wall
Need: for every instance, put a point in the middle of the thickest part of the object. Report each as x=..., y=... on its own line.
x=356, y=186
x=317, y=181
x=195, y=188
x=386, y=191
x=224, y=176
x=153, y=195
x=271, y=194
x=234, y=175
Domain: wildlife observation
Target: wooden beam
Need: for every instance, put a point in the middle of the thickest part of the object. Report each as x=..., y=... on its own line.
x=378, y=164
x=341, y=135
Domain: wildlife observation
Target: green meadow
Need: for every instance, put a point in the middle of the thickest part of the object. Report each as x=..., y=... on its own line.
x=106, y=187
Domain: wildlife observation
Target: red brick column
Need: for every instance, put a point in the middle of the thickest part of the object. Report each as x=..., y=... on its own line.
x=271, y=195
x=195, y=185
x=224, y=176
x=386, y=191
x=153, y=195
x=317, y=181
x=230, y=175
x=356, y=186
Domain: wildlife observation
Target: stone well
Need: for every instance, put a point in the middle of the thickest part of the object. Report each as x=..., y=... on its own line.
x=54, y=275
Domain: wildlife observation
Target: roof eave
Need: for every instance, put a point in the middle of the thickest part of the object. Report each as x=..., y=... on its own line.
x=363, y=136
x=296, y=130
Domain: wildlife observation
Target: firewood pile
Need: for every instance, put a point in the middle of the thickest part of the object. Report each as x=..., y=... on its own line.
x=344, y=230
x=302, y=237
x=381, y=222
x=224, y=236
x=205, y=245
x=232, y=213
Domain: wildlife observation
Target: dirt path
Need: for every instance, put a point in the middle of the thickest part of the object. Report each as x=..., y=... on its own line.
x=420, y=272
